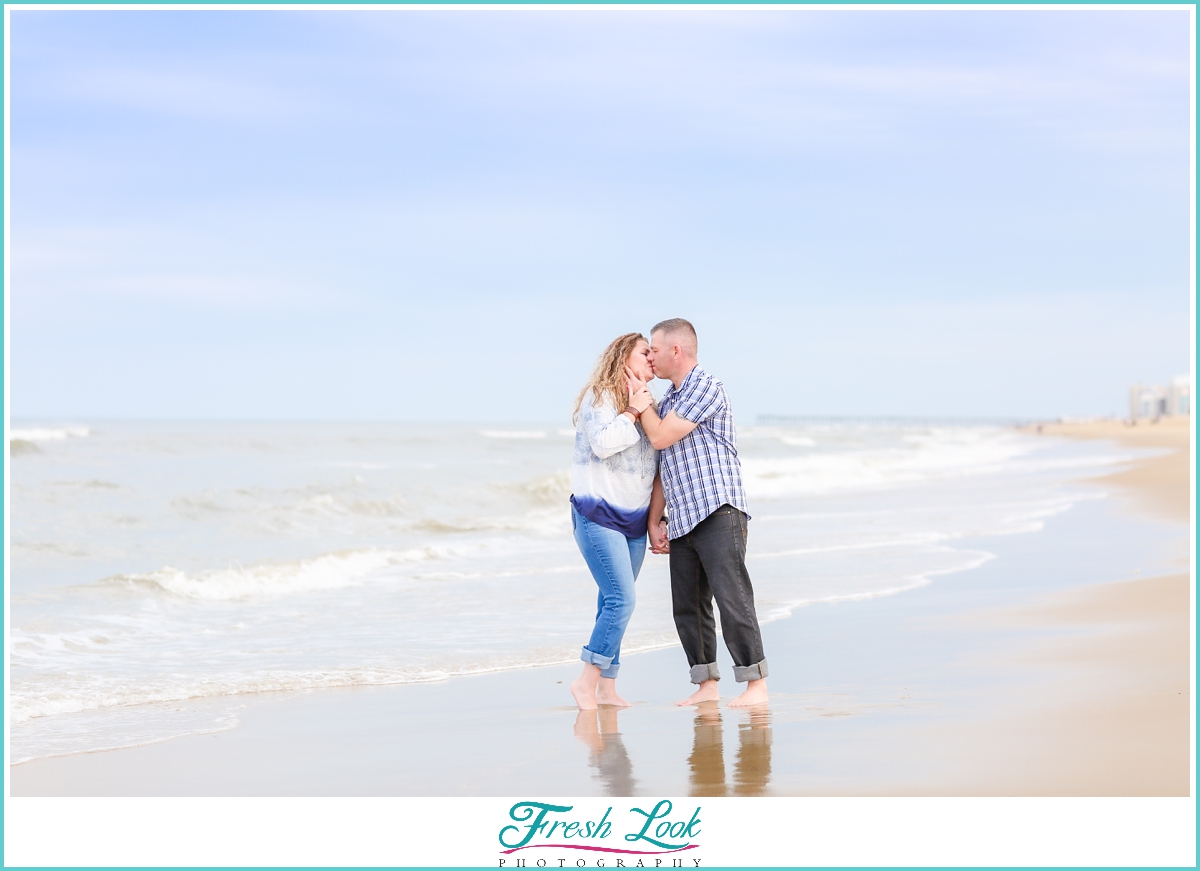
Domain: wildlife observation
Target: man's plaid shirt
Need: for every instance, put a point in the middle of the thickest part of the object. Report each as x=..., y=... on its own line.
x=700, y=472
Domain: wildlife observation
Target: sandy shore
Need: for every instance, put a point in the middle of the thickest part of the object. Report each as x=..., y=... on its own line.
x=1159, y=484
x=987, y=686
x=1116, y=717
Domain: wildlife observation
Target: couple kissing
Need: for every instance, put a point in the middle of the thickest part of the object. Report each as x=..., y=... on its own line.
x=667, y=474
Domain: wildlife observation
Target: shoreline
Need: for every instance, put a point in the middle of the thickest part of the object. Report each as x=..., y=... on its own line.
x=1159, y=484
x=965, y=688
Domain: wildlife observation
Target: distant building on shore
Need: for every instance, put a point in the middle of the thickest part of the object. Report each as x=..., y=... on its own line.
x=1157, y=400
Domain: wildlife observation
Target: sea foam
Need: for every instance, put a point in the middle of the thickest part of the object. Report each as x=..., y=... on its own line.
x=326, y=572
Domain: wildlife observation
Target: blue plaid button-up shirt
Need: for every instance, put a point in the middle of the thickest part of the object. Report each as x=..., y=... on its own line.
x=700, y=472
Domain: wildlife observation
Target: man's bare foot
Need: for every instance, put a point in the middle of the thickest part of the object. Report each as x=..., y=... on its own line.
x=754, y=694
x=760, y=716
x=709, y=713
x=583, y=688
x=606, y=693
x=706, y=692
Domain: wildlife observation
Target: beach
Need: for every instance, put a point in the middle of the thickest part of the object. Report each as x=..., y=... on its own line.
x=1057, y=666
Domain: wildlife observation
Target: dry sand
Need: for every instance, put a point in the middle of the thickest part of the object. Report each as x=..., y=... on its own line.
x=952, y=689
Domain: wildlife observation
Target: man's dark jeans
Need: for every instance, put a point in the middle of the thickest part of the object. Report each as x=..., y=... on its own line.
x=711, y=561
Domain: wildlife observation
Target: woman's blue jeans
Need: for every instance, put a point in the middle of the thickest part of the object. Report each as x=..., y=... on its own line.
x=614, y=561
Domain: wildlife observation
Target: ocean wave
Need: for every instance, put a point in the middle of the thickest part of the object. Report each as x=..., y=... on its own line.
x=1028, y=517
x=971, y=560
x=910, y=540
x=59, y=547
x=329, y=505
x=542, y=521
x=202, y=505
x=121, y=694
x=389, y=507
x=47, y=434
x=78, y=700
x=93, y=484
x=98, y=729
x=798, y=441
x=87, y=690
x=553, y=489
x=328, y=572
x=520, y=573
x=489, y=533
x=925, y=456
x=198, y=504
x=1098, y=463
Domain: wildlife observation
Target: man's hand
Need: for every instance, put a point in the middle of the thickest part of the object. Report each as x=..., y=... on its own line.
x=657, y=530
x=656, y=527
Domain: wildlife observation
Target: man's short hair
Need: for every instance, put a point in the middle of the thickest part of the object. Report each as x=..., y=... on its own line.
x=681, y=330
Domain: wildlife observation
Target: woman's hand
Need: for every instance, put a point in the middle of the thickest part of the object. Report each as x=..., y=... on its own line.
x=640, y=396
x=642, y=400
x=658, y=537
x=633, y=383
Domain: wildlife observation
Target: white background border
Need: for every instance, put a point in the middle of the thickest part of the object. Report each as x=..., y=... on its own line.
x=735, y=832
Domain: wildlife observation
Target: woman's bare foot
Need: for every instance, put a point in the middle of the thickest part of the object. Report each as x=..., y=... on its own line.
x=606, y=693
x=754, y=694
x=706, y=692
x=583, y=688
x=586, y=731
x=608, y=721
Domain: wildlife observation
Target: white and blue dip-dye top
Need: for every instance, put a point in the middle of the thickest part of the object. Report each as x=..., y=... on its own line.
x=612, y=472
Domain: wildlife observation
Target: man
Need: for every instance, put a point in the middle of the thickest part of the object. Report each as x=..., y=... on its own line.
x=706, y=531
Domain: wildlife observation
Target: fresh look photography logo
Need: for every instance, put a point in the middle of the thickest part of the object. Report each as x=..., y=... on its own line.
x=640, y=838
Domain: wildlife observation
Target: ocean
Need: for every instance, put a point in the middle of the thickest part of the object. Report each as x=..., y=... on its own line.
x=160, y=572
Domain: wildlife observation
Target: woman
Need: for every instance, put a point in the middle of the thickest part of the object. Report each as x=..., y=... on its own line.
x=613, y=474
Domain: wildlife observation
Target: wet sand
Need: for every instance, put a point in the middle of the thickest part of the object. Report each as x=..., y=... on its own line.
x=989, y=685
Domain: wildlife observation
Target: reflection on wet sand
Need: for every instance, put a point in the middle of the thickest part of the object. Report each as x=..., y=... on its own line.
x=707, y=762
x=598, y=730
x=753, y=767
x=751, y=770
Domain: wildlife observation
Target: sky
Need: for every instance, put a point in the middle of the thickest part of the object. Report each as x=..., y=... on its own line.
x=446, y=215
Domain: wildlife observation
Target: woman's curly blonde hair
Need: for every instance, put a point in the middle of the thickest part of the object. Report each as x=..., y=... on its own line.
x=608, y=381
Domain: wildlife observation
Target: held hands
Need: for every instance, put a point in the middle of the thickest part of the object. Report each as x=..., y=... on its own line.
x=657, y=530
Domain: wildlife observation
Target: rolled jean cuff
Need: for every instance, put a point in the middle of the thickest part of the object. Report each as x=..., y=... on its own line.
x=743, y=673
x=604, y=663
x=705, y=671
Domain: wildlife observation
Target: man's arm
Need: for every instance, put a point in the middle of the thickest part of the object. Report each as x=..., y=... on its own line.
x=666, y=431
x=611, y=435
x=656, y=527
